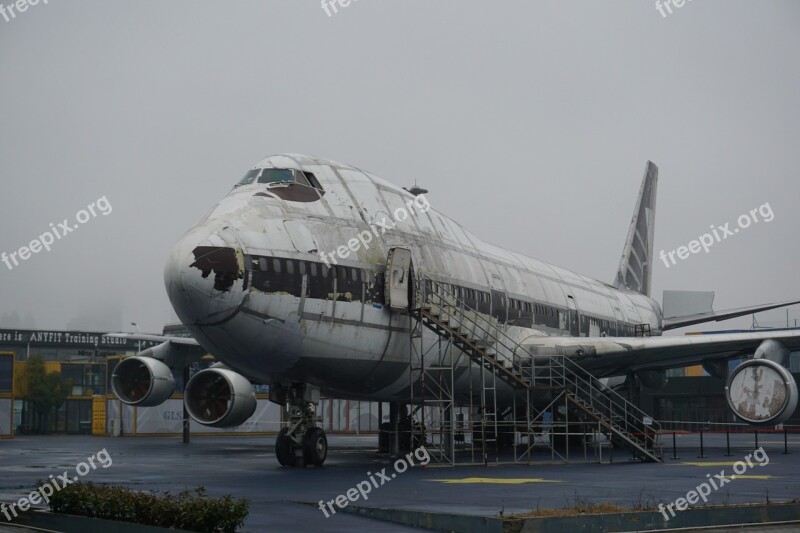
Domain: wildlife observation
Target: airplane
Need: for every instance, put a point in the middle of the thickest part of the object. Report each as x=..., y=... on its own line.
x=304, y=277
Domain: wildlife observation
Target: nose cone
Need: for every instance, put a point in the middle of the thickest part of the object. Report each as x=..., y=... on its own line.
x=205, y=275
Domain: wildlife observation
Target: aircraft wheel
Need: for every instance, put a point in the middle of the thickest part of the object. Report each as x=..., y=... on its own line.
x=284, y=449
x=315, y=447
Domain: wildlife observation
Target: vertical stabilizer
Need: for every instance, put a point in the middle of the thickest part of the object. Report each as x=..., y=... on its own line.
x=635, y=266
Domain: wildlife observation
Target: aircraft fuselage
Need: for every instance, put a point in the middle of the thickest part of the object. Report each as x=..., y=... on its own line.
x=260, y=284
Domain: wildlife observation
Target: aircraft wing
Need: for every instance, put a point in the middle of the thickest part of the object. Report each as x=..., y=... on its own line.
x=176, y=352
x=184, y=341
x=699, y=318
x=614, y=356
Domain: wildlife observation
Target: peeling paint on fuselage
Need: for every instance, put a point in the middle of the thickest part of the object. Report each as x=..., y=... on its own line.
x=227, y=264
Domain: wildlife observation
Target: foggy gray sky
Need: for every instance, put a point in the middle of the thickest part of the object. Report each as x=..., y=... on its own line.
x=530, y=123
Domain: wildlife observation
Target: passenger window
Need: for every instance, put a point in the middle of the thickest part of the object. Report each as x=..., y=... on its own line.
x=276, y=264
x=289, y=266
x=313, y=269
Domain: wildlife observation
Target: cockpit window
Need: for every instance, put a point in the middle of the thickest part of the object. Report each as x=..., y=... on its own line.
x=301, y=178
x=249, y=177
x=312, y=179
x=280, y=175
x=276, y=175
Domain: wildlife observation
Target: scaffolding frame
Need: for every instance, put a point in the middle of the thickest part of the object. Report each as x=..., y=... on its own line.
x=449, y=338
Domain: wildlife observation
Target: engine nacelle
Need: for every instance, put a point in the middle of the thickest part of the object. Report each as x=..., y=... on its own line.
x=762, y=392
x=142, y=381
x=219, y=397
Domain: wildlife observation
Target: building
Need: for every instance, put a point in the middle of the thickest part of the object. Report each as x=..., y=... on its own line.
x=79, y=356
x=6, y=395
x=87, y=359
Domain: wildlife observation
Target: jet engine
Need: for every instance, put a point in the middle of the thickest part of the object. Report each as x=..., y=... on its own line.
x=219, y=397
x=762, y=392
x=142, y=381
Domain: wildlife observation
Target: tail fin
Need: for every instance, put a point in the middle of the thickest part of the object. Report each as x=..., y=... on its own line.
x=637, y=257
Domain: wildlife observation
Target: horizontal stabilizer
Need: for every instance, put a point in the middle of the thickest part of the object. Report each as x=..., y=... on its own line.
x=685, y=303
x=716, y=316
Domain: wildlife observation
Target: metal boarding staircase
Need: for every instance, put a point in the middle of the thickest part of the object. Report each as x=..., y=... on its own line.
x=482, y=339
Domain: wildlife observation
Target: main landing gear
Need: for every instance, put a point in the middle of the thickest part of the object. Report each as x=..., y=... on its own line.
x=301, y=443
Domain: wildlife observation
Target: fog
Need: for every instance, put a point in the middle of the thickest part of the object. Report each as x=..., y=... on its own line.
x=529, y=122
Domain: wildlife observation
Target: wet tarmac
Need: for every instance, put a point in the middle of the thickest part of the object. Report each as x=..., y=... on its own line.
x=245, y=467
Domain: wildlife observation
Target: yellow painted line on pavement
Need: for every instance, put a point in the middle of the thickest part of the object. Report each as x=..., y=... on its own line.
x=496, y=480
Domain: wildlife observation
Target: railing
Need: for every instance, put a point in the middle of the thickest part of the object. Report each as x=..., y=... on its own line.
x=536, y=371
x=668, y=426
x=620, y=413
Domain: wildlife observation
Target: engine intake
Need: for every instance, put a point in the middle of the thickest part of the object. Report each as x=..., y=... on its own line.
x=219, y=397
x=142, y=381
x=762, y=392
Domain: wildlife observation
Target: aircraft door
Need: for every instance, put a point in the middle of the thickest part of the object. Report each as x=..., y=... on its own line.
x=399, y=280
x=574, y=318
x=498, y=298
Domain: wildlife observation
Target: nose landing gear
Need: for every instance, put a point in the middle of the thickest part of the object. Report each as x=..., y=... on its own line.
x=301, y=443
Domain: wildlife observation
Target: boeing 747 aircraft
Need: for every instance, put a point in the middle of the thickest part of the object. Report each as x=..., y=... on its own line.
x=304, y=277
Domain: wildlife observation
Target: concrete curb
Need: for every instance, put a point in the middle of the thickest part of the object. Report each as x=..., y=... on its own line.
x=67, y=523
x=617, y=522
x=433, y=521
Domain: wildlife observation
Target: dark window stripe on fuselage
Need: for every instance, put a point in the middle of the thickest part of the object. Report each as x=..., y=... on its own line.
x=344, y=283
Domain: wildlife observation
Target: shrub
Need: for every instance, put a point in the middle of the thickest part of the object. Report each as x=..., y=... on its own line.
x=187, y=510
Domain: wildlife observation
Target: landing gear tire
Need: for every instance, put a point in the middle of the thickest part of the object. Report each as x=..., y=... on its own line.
x=315, y=447
x=300, y=443
x=284, y=449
